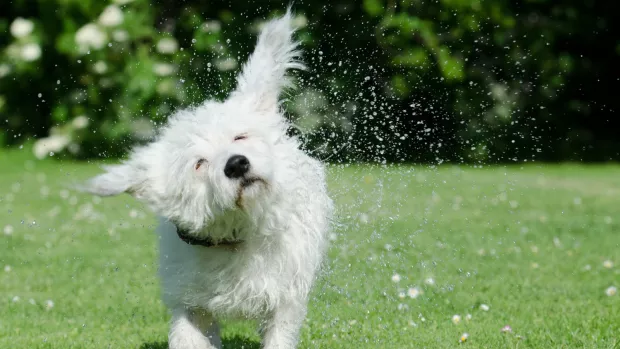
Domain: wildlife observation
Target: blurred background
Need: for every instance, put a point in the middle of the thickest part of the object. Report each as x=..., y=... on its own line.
x=465, y=81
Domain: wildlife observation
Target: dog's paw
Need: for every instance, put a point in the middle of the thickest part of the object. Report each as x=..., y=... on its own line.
x=189, y=341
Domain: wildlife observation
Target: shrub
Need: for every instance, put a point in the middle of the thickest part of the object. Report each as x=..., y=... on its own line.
x=455, y=80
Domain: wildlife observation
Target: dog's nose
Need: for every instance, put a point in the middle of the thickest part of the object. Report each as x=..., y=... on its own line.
x=236, y=166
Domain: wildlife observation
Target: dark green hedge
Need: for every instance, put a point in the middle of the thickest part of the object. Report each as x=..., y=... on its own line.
x=432, y=81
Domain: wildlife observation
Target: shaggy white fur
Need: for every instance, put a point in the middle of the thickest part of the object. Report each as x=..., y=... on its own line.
x=279, y=207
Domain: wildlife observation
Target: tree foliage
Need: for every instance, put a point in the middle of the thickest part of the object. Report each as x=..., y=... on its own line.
x=389, y=80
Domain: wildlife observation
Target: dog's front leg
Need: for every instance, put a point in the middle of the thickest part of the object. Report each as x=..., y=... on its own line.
x=281, y=328
x=193, y=329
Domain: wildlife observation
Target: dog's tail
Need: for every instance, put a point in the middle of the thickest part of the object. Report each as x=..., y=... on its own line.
x=263, y=76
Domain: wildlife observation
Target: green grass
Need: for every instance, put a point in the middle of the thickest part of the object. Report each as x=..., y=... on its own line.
x=530, y=242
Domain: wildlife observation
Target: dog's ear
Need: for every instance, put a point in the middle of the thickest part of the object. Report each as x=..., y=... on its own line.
x=127, y=177
x=263, y=76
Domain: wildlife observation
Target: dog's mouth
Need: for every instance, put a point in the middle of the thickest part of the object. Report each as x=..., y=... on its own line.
x=248, y=182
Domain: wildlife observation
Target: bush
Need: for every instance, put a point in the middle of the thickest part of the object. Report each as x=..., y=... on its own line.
x=89, y=76
x=455, y=80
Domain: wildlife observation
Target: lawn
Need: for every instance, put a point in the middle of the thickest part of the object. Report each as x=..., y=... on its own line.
x=415, y=249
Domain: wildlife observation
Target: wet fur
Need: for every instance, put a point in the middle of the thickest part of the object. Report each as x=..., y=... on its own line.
x=283, y=217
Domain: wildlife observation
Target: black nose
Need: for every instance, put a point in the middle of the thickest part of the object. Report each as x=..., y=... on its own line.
x=236, y=166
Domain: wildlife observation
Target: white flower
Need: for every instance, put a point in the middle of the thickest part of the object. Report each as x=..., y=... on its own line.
x=120, y=35
x=395, y=278
x=484, y=307
x=16, y=299
x=31, y=52
x=212, y=26
x=7, y=268
x=8, y=229
x=413, y=292
x=167, y=46
x=163, y=69
x=429, y=281
x=226, y=64
x=21, y=27
x=456, y=319
x=468, y=317
x=300, y=21
x=49, y=304
x=51, y=144
x=100, y=67
x=5, y=69
x=608, y=264
x=111, y=16
x=90, y=36
x=611, y=291
x=80, y=122
x=464, y=337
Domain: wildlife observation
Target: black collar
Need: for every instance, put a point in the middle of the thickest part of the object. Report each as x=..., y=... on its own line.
x=206, y=241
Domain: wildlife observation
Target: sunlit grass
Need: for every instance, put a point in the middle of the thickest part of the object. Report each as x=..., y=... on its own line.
x=538, y=247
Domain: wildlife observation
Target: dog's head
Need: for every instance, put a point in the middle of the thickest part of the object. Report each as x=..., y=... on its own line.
x=220, y=156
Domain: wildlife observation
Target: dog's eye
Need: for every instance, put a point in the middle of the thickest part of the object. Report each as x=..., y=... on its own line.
x=199, y=163
x=241, y=137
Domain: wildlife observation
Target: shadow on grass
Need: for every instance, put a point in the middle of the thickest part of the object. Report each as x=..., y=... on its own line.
x=235, y=342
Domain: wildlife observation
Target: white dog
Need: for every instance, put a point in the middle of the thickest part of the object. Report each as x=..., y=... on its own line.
x=244, y=212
